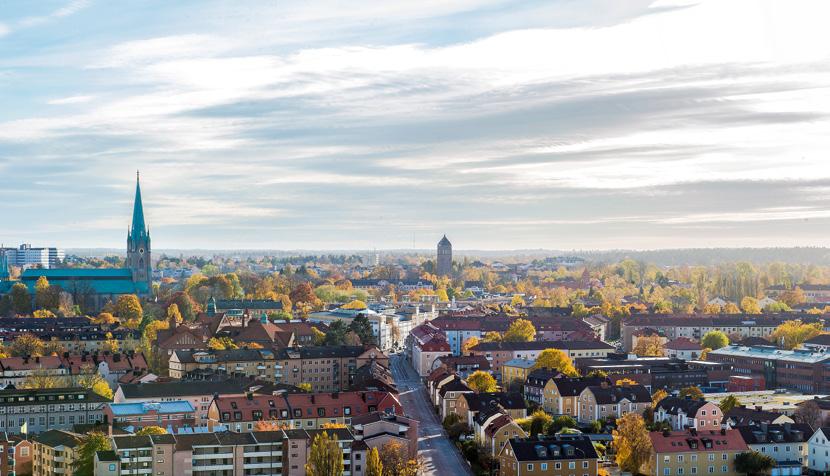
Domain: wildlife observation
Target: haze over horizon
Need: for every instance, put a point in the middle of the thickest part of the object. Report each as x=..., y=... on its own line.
x=507, y=125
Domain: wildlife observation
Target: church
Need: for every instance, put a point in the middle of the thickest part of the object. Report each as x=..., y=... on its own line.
x=91, y=289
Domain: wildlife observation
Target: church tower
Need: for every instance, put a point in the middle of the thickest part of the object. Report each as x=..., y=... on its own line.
x=138, y=242
x=444, y=262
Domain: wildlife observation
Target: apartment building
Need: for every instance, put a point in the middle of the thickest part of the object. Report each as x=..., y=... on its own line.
x=606, y=401
x=692, y=452
x=499, y=353
x=49, y=409
x=325, y=368
x=787, y=444
x=306, y=411
x=175, y=417
x=804, y=370
x=55, y=452
x=564, y=455
x=682, y=413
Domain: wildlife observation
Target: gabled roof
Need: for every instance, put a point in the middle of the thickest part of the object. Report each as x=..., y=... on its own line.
x=682, y=343
x=542, y=345
x=613, y=394
x=454, y=385
x=786, y=433
x=55, y=438
x=687, y=441
x=480, y=401
x=573, y=386
x=554, y=449
x=741, y=415
x=674, y=405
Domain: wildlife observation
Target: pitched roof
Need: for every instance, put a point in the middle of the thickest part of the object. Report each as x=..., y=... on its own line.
x=554, y=449
x=613, y=394
x=786, y=433
x=55, y=438
x=673, y=405
x=682, y=343
x=480, y=401
x=573, y=386
x=688, y=441
x=253, y=304
x=742, y=415
x=542, y=345
x=182, y=389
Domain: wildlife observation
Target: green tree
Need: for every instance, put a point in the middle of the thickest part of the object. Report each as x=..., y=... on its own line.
x=632, y=442
x=753, y=463
x=482, y=382
x=21, y=301
x=361, y=326
x=90, y=444
x=374, y=467
x=714, y=340
x=728, y=403
x=325, y=457
x=561, y=422
x=539, y=420
x=336, y=333
x=520, y=330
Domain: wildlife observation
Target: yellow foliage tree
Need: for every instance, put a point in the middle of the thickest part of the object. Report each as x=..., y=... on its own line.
x=520, y=330
x=355, y=304
x=482, y=382
x=468, y=344
x=631, y=442
x=750, y=305
x=649, y=346
x=556, y=359
x=791, y=334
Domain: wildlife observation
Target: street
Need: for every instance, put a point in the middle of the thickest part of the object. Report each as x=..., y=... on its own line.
x=439, y=454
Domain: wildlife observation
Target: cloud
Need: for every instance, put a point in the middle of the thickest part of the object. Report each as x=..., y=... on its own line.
x=69, y=9
x=70, y=100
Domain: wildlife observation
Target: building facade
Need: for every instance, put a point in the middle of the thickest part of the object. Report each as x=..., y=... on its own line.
x=443, y=260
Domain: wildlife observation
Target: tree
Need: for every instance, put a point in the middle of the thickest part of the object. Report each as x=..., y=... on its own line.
x=21, y=301
x=103, y=389
x=809, y=413
x=753, y=463
x=361, y=326
x=305, y=386
x=728, y=403
x=89, y=445
x=468, y=345
x=560, y=423
x=539, y=420
x=104, y=318
x=26, y=345
x=110, y=345
x=520, y=330
x=482, y=382
x=731, y=308
x=270, y=425
x=557, y=360
x=517, y=301
x=318, y=336
x=750, y=305
x=693, y=392
x=336, y=333
x=41, y=379
x=657, y=396
x=704, y=353
x=173, y=312
x=714, y=340
x=793, y=297
x=632, y=442
x=129, y=309
x=393, y=456
x=649, y=346
x=221, y=343
x=791, y=334
x=325, y=457
x=43, y=314
x=151, y=430
x=46, y=296
x=374, y=467
x=491, y=337
x=355, y=304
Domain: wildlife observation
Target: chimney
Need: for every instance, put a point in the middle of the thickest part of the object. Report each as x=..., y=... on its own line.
x=758, y=408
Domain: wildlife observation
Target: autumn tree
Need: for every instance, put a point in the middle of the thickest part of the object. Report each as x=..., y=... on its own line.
x=750, y=305
x=657, y=396
x=129, y=310
x=26, y=345
x=325, y=457
x=468, y=345
x=318, y=336
x=632, y=442
x=793, y=297
x=728, y=403
x=649, y=346
x=151, y=430
x=520, y=330
x=393, y=457
x=791, y=334
x=355, y=304
x=374, y=467
x=557, y=360
x=482, y=382
x=753, y=463
x=491, y=337
x=539, y=420
x=714, y=340
x=46, y=297
x=221, y=343
x=517, y=301
x=173, y=312
x=731, y=308
x=104, y=318
x=89, y=445
x=41, y=379
x=692, y=392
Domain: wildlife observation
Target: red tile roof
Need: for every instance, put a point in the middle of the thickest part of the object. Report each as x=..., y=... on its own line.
x=683, y=441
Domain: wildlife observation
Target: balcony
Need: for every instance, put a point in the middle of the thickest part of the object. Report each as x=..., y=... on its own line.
x=203, y=456
x=275, y=464
x=264, y=454
x=214, y=467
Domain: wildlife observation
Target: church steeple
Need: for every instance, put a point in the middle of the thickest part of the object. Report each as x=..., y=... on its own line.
x=138, y=242
x=139, y=227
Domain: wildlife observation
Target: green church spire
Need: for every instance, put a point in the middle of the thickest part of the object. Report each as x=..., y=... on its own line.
x=139, y=228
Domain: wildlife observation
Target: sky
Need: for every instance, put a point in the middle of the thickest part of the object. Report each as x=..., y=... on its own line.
x=305, y=124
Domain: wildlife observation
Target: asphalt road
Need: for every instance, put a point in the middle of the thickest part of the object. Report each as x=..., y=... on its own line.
x=439, y=454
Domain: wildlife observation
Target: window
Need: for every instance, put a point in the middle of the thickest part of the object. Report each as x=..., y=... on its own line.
x=572, y=465
x=679, y=458
x=584, y=465
x=666, y=471
x=112, y=467
x=679, y=471
x=543, y=466
x=711, y=469
x=557, y=465
x=724, y=468
x=530, y=467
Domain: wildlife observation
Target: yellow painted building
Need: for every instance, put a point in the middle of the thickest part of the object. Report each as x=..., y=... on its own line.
x=516, y=370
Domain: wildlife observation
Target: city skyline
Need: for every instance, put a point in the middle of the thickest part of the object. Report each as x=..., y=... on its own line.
x=504, y=125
